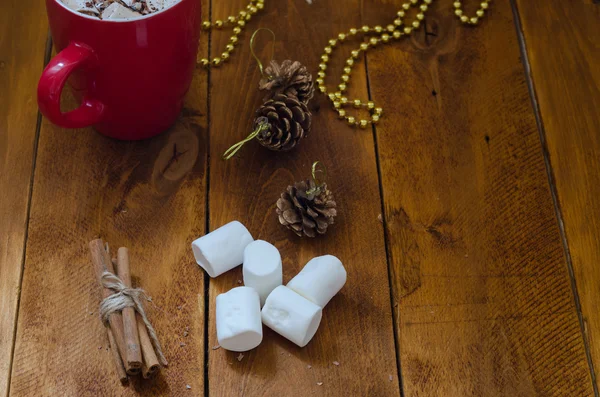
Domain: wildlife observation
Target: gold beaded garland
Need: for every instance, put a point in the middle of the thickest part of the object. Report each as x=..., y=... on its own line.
x=238, y=23
x=396, y=29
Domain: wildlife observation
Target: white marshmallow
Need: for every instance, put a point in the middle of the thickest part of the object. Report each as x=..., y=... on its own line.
x=222, y=249
x=238, y=319
x=117, y=11
x=291, y=315
x=320, y=280
x=262, y=268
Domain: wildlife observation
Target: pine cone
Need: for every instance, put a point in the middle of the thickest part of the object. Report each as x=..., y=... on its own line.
x=290, y=78
x=304, y=213
x=288, y=121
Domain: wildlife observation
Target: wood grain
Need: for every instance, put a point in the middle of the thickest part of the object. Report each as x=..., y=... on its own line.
x=485, y=305
x=23, y=34
x=131, y=194
x=566, y=77
x=356, y=329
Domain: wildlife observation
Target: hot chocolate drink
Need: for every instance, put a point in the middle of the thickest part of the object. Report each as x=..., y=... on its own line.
x=118, y=9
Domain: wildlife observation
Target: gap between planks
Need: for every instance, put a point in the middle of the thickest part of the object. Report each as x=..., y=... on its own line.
x=552, y=186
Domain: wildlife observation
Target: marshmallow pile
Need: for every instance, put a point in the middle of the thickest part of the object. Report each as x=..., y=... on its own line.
x=293, y=311
x=118, y=9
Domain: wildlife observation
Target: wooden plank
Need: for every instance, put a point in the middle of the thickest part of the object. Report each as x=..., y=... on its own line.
x=356, y=329
x=23, y=34
x=131, y=194
x=478, y=268
x=566, y=74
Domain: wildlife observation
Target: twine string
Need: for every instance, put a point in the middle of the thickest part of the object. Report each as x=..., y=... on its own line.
x=263, y=125
x=128, y=297
x=260, y=65
x=319, y=182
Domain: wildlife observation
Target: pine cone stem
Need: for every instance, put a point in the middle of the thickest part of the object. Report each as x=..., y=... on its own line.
x=263, y=125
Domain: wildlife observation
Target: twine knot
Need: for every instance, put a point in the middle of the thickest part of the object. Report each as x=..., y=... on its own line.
x=127, y=297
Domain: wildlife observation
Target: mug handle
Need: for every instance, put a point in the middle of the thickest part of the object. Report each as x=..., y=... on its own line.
x=52, y=82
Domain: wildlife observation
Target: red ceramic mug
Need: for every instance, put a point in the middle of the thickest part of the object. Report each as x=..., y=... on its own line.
x=129, y=75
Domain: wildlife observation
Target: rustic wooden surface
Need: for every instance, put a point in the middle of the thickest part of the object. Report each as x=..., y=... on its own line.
x=475, y=283
x=23, y=36
x=566, y=76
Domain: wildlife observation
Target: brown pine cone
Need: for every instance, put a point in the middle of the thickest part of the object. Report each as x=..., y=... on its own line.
x=288, y=121
x=305, y=213
x=290, y=78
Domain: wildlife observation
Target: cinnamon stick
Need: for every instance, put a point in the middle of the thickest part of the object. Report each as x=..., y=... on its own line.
x=102, y=262
x=132, y=342
x=151, y=365
x=116, y=357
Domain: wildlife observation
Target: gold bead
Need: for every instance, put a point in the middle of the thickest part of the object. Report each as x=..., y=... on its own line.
x=378, y=111
x=424, y=7
x=204, y=62
x=391, y=28
x=260, y=6
x=350, y=62
x=344, y=100
x=225, y=56
x=345, y=78
x=328, y=50
x=416, y=24
x=341, y=113
x=218, y=23
x=321, y=74
x=347, y=70
x=378, y=29
x=414, y=1
x=229, y=47
x=333, y=42
x=351, y=120
x=406, y=6
x=241, y=23
x=216, y=61
x=374, y=41
x=484, y=5
x=231, y=19
x=375, y=118
x=233, y=39
x=397, y=34
x=243, y=14
x=337, y=104
x=458, y=12
x=407, y=30
x=237, y=29
x=427, y=1
x=353, y=31
x=365, y=29
x=342, y=87
x=338, y=94
x=474, y=20
x=332, y=96
x=401, y=14
x=323, y=89
x=324, y=58
x=398, y=22
x=253, y=10
x=457, y=4
x=363, y=124
x=420, y=16
x=364, y=46
x=341, y=37
x=354, y=54
x=206, y=25
x=464, y=18
x=320, y=81
x=385, y=37
x=322, y=66
x=356, y=103
x=480, y=13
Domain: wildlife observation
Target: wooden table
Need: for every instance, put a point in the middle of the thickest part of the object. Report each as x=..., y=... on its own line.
x=468, y=222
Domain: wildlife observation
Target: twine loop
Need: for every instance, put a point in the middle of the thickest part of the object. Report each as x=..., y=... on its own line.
x=260, y=65
x=319, y=182
x=127, y=297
